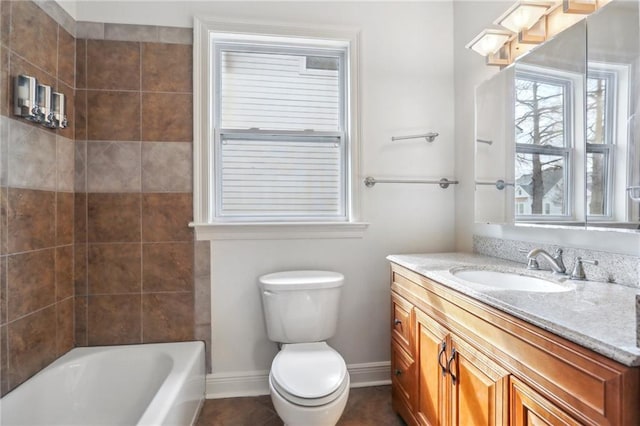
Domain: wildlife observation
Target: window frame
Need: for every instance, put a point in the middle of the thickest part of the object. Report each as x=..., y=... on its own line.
x=568, y=82
x=205, y=223
x=607, y=148
x=219, y=45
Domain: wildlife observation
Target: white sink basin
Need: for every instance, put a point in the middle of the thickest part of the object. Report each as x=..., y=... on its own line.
x=508, y=281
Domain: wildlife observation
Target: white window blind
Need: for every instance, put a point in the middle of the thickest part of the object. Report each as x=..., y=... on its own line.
x=274, y=91
x=281, y=145
x=267, y=178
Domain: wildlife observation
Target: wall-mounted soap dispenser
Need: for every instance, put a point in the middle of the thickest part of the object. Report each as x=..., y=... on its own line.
x=44, y=103
x=38, y=103
x=26, y=98
x=59, y=110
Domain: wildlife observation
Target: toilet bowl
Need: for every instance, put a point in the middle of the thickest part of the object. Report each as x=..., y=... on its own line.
x=309, y=384
x=308, y=381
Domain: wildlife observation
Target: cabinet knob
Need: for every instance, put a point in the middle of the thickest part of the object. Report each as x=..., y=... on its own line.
x=397, y=322
x=398, y=372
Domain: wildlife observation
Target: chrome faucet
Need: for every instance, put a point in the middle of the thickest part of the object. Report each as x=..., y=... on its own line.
x=555, y=261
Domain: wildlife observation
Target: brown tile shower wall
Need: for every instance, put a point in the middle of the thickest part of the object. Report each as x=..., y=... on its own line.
x=134, y=262
x=36, y=200
x=110, y=228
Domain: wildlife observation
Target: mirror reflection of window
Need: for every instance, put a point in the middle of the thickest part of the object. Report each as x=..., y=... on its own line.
x=543, y=144
x=599, y=133
x=611, y=121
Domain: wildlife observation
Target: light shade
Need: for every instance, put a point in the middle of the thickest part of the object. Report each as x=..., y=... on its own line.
x=489, y=42
x=522, y=16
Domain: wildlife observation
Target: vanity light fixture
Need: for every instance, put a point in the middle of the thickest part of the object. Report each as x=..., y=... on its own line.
x=579, y=6
x=38, y=103
x=528, y=20
x=533, y=22
x=489, y=41
x=522, y=16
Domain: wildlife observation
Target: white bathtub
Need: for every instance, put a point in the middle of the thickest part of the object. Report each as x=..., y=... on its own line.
x=151, y=384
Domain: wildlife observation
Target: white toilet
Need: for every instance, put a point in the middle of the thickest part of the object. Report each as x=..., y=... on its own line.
x=309, y=381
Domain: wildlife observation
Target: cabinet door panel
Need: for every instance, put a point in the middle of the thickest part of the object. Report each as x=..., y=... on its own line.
x=402, y=322
x=479, y=387
x=403, y=375
x=528, y=408
x=431, y=398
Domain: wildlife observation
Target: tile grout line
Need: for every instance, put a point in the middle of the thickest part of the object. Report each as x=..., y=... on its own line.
x=7, y=206
x=56, y=213
x=48, y=306
x=86, y=196
x=141, y=53
x=39, y=68
x=153, y=92
x=73, y=233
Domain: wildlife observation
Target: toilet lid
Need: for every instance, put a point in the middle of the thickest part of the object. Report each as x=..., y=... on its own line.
x=308, y=370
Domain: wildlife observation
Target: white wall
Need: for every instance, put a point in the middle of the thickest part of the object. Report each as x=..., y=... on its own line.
x=470, y=17
x=406, y=87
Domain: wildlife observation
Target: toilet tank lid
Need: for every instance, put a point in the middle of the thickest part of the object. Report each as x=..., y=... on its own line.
x=301, y=280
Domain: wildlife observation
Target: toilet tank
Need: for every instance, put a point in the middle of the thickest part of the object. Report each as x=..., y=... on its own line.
x=301, y=306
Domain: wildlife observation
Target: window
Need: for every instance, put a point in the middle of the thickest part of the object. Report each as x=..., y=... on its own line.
x=543, y=142
x=280, y=145
x=275, y=130
x=601, y=92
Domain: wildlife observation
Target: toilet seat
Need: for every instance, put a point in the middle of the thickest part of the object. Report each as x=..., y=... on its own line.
x=309, y=374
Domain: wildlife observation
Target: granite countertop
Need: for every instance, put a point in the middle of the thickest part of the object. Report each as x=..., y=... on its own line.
x=599, y=316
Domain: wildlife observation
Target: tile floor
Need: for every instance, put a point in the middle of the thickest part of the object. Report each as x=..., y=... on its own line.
x=366, y=407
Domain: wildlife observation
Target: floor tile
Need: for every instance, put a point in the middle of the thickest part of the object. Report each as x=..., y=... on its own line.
x=369, y=406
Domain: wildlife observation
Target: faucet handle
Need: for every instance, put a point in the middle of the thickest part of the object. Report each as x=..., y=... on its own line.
x=532, y=263
x=578, y=269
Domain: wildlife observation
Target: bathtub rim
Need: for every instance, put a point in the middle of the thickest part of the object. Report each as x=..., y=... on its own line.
x=187, y=357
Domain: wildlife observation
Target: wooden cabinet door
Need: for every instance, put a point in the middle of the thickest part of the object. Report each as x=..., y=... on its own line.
x=478, y=387
x=528, y=408
x=403, y=375
x=431, y=341
x=402, y=322
x=403, y=382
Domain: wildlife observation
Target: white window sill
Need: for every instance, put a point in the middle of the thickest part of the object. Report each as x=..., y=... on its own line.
x=279, y=231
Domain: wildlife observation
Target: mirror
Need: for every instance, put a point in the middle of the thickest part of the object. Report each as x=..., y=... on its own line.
x=494, y=149
x=530, y=112
x=548, y=130
x=564, y=129
x=612, y=166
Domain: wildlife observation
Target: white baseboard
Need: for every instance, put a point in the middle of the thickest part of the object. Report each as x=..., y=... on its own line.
x=254, y=383
x=235, y=384
x=370, y=374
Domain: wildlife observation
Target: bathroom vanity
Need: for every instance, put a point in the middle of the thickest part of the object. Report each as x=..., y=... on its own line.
x=467, y=354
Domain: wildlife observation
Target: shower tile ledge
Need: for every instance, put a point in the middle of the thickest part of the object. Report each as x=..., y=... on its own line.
x=598, y=316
